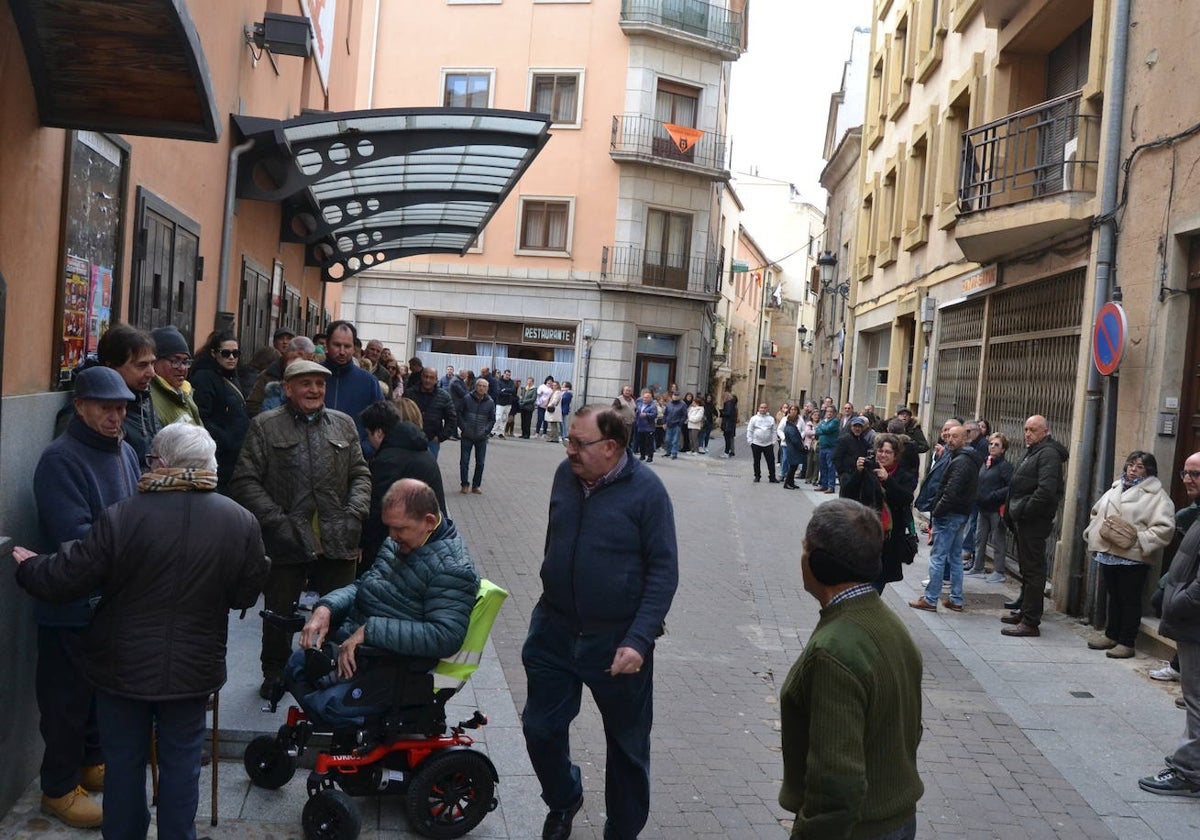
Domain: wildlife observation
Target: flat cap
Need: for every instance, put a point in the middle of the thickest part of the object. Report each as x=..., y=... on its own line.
x=101, y=383
x=303, y=366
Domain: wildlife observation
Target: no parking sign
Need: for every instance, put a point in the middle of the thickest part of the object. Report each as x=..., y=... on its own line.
x=1109, y=338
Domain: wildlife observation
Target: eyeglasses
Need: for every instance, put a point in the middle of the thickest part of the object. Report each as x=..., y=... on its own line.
x=181, y=364
x=230, y=354
x=152, y=461
x=570, y=442
x=1194, y=475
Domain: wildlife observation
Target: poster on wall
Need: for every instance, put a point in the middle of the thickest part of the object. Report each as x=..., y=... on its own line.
x=99, y=306
x=321, y=15
x=76, y=286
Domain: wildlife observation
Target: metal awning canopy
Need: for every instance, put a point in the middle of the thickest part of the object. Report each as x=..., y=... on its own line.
x=129, y=67
x=364, y=187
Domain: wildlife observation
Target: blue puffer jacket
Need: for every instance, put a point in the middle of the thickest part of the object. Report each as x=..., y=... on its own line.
x=417, y=604
x=675, y=414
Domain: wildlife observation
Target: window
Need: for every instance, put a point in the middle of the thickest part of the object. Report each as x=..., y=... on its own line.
x=166, y=266
x=917, y=206
x=557, y=93
x=676, y=104
x=932, y=30
x=899, y=69
x=668, y=243
x=545, y=227
x=467, y=88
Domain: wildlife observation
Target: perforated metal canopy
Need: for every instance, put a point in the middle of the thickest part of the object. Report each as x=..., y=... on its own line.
x=364, y=187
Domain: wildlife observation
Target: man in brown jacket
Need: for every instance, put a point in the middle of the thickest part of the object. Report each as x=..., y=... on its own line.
x=302, y=473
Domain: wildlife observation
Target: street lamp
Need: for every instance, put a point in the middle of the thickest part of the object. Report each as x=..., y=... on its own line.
x=827, y=273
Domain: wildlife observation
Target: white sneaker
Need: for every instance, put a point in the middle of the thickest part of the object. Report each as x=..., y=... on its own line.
x=1165, y=674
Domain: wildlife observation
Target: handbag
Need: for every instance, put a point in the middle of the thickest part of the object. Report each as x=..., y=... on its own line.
x=1116, y=531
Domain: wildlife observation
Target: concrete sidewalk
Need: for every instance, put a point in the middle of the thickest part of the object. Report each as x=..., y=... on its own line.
x=1024, y=738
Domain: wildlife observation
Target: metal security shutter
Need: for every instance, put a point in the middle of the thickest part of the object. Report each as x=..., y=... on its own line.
x=1032, y=357
x=959, y=351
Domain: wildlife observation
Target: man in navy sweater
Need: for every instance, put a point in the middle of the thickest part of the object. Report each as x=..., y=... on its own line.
x=81, y=473
x=609, y=575
x=351, y=388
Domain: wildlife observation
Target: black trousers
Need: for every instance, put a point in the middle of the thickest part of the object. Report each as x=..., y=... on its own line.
x=729, y=433
x=67, y=705
x=526, y=420
x=283, y=588
x=645, y=441
x=1124, y=584
x=767, y=452
x=1031, y=562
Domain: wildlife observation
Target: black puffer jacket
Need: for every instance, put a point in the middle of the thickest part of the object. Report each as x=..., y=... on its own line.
x=438, y=415
x=476, y=417
x=1037, y=482
x=223, y=410
x=170, y=567
x=993, y=484
x=403, y=454
x=956, y=493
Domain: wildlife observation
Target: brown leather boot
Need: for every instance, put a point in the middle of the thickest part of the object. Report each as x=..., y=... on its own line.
x=92, y=779
x=76, y=809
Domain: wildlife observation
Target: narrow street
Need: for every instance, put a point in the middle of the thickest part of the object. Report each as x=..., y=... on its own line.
x=1024, y=738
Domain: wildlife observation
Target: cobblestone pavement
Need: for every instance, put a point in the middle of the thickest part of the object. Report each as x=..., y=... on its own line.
x=1036, y=738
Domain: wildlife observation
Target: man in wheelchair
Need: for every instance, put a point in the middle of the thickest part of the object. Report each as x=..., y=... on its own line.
x=414, y=602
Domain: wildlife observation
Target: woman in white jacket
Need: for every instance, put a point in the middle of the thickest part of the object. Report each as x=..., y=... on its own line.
x=1138, y=498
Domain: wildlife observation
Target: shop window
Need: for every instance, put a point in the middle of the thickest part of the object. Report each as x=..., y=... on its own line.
x=96, y=190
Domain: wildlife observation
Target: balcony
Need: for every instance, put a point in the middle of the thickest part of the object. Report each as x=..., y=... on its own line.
x=633, y=267
x=639, y=139
x=691, y=22
x=1027, y=179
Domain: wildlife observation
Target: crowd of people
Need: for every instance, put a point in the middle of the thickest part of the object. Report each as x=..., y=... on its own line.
x=316, y=469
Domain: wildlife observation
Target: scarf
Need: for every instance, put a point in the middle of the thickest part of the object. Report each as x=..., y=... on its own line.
x=1127, y=483
x=166, y=479
x=885, y=514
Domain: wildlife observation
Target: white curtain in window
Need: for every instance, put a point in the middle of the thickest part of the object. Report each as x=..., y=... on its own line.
x=501, y=351
x=656, y=223
x=556, y=232
x=564, y=355
x=556, y=96
x=424, y=345
x=679, y=240
x=483, y=348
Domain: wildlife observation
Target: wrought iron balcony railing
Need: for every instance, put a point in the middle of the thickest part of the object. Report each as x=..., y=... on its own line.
x=647, y=139
x=695, y=17
x=1047, y=149
x=638, y=266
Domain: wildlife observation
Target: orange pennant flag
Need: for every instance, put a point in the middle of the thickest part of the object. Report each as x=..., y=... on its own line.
x=685, y=138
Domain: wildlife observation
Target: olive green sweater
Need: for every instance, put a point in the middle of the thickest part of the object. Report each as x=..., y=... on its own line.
x=851, y=718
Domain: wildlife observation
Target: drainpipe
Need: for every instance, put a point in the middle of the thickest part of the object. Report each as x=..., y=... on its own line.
x=1094, y=471
x=225, y=319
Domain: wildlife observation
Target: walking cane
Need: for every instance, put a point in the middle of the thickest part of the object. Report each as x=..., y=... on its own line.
x=216, y=740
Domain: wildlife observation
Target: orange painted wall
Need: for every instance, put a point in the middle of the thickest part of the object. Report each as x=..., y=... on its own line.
x=188, y=175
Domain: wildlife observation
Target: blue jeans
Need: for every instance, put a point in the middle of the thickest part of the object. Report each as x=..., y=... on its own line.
x=125, y=727
x=828, y=473
x=672, y=440
x=946, y=554
x=540, y=428
x=705, y=434
x=464, y=460
x=972, y=524
x=559, y=661
x=435, y=446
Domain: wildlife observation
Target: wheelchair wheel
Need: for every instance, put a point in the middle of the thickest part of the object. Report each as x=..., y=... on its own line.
x=267, y=763
x=331, y=815
x=450, y=795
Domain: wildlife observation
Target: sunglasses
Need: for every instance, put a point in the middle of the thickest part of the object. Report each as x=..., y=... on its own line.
x=230, y=354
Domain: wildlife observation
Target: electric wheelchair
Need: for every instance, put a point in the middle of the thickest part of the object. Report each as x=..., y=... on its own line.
x=407, y=750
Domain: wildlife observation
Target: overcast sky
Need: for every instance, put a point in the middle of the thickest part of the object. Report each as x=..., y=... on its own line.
x=779, y=101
